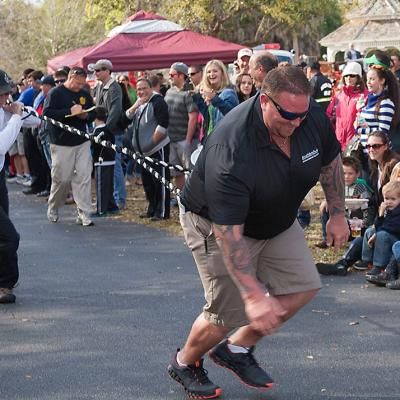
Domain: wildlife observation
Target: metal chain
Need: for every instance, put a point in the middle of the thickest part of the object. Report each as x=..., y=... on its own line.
x=145, y=162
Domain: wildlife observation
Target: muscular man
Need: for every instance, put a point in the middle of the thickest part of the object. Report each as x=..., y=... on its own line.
x=11, y=121
x=238, y=214
x=259, y=65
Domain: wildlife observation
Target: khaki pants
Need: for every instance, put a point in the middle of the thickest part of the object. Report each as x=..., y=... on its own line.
x=283, y=264
x=71, y=167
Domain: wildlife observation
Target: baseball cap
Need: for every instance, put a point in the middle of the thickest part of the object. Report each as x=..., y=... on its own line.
x=379, y=59
x=180, y=67
x=352, y=68
x=5, y=82
x=244, y=53
x=107, y=64
x=48, y=80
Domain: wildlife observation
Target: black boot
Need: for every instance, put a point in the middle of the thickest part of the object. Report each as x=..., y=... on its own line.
x=389, y=274
x=339, y=268
x=375, y=271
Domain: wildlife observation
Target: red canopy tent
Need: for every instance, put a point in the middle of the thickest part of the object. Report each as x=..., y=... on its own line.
x=149, y=41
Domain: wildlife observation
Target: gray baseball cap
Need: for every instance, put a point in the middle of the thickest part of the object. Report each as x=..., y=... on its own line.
x=180, y=67
x=100, y=64
x=5, y=82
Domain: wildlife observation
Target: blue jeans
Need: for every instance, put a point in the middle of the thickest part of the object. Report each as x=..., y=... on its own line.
x=396, y=251
x=324, y=217
x=304, y=218
x=119, y=178
x=46, y=152
x=379, y=255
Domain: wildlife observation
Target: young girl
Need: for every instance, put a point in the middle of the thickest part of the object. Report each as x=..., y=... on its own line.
x=218, y=98
x=245, y=87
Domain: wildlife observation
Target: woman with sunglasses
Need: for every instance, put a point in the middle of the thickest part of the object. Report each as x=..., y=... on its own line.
x=382, y=160
x=342, y=109
x=245, y=87
x=381, y=111
x=218, y=98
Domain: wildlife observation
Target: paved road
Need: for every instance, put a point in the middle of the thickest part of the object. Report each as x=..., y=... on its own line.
x=101, y=310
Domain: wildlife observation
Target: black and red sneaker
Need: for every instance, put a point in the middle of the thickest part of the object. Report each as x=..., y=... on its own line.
x=244, y=365
x=194, y=379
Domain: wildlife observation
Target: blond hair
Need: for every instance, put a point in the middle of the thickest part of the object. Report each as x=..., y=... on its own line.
x=392, y=187
x=224, y=78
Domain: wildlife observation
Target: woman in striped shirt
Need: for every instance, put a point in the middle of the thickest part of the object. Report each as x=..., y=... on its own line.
x=381, y=111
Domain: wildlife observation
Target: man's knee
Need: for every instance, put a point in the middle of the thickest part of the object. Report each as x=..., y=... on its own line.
x=295, y=301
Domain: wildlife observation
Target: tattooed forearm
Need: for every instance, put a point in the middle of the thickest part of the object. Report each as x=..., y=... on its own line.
x=332, y=181
x=237, y=258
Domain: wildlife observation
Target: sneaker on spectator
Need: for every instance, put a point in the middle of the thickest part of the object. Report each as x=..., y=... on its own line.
x=373, y=271
x=52, y=215
x=361, y=265
x=244, y=365
x=21, y=179
x=83, y=220
x=339, y=268
x=27, y=182
x=194, y=380
x=44, y=193
x=7, y=296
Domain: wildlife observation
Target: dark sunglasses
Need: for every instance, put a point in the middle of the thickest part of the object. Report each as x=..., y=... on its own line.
x=194, y=73
x=101, y=69
x=374, y=146
x=59, y=81
x=290, y=116
x=351, y=76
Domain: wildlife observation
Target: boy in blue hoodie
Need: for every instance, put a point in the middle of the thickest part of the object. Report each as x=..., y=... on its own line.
x=379, y=238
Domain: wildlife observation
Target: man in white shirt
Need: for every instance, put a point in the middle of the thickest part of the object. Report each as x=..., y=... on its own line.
x=11, y=121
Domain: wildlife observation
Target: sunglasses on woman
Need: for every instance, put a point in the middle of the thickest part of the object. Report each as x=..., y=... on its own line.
x=290, y=116
x=375, y=146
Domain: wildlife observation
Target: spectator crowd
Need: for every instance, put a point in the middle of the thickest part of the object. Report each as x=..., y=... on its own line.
x=170, y=121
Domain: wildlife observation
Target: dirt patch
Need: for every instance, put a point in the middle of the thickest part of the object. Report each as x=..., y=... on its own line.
x=137, y=204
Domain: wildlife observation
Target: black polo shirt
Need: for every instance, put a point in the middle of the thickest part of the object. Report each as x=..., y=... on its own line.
x=241, y=177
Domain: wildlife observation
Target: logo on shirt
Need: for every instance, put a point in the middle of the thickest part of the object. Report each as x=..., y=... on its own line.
x=309, y=156
x=82, y=101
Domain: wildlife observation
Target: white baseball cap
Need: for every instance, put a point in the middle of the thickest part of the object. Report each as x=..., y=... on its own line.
x=244, y=53
x=352, y=68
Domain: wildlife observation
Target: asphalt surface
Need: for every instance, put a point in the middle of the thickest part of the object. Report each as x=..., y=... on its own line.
x=101, y=310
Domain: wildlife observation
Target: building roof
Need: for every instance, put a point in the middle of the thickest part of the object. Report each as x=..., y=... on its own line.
x=374, y=24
